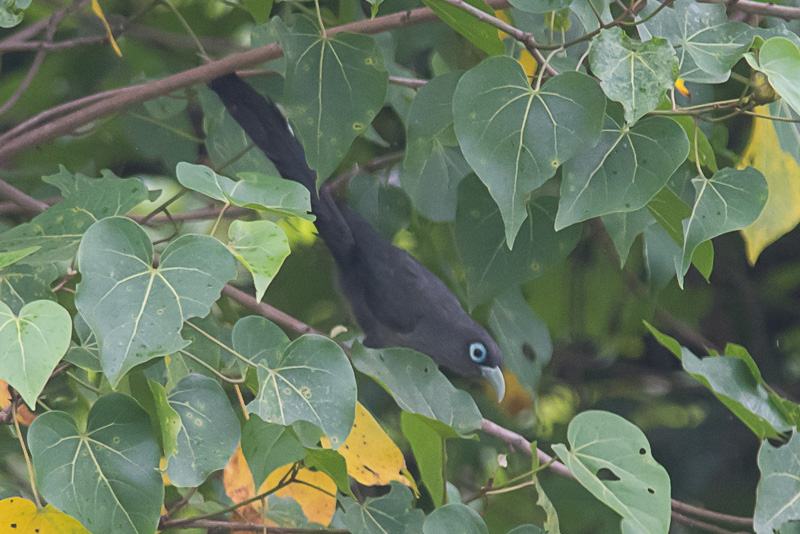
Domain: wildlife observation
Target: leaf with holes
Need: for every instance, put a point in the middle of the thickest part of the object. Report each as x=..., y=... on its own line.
x=515, y=137
x=419, y=387
x=208, y=431
x=20, y=516
x=106, y=476
x=707, y=43
x=137, y=310
x=334, y=88
x=58, y=229
x=309, y=379
x=624, y=170
x=730, y=200
x=31, y=345
x=635, y=77
x=523, y=338
x=611, y=458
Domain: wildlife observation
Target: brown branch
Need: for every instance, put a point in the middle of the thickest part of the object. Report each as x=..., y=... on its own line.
x=265, y=310
x=759, y=8
x=21, y=199
x=526, y=38
x=202, y=74
x=28, y=32
x=702, y=525
x=52, y=26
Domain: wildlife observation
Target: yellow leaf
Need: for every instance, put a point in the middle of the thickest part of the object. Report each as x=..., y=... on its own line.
x=501, y=14
x=99, y=13
x=782, y=211
x=316, y=495
x=24, y=415
x=680, y=85
x=372, y=457
x=20, y=516
x=528, y=63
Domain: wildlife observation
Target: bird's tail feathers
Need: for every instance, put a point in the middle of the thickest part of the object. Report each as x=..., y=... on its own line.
x=267, y=127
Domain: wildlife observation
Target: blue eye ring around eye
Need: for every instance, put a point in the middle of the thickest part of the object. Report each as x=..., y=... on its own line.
x=477, y=351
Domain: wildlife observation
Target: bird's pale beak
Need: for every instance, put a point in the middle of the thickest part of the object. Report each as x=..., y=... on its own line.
x=495, y=377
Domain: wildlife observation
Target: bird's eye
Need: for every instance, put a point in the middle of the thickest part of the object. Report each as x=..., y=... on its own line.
x=477, y=351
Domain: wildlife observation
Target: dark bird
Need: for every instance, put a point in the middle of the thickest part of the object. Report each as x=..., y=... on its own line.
x=396, y=300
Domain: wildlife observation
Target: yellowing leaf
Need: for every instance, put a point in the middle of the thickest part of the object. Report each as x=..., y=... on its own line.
x=782, y=211
x=372, y=457
x=528, y=63
x=680, y=85
x=316, y=495
x=501, y=14
x=24, y=415
x=99, y=12
x=20, y=516
x=239, y=486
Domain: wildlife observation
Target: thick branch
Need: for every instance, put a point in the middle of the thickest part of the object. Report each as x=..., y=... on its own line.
x=203, y=74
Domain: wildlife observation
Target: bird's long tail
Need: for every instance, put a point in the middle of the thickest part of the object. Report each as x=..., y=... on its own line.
x=267, y=127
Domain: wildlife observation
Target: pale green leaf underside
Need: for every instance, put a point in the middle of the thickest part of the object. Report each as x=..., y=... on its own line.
x=611, y=458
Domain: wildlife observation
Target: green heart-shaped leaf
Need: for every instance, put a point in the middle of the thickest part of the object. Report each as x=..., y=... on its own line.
x=208, y=432
x=254, y=190
x=515, y=137
x=611, y=458
x=730, y=200
x=309, y=379
x=623, y=171
x=31, y=345
x=334, y=88
x=106, y=476
x=137, y=310
x=707, y=43
x=637, y=78
x=261, y=246
x=491, y=268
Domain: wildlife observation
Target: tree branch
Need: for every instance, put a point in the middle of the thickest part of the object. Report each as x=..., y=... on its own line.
x=202, y=74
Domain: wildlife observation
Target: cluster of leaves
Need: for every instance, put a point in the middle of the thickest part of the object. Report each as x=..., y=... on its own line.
x=507, y=156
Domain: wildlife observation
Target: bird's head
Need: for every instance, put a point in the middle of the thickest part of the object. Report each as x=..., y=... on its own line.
x=484, y=357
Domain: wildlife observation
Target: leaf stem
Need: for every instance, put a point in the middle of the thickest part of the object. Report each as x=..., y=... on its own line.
x=223, y=345
x=211, y=368
x=28, y=462
x=319, y=19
